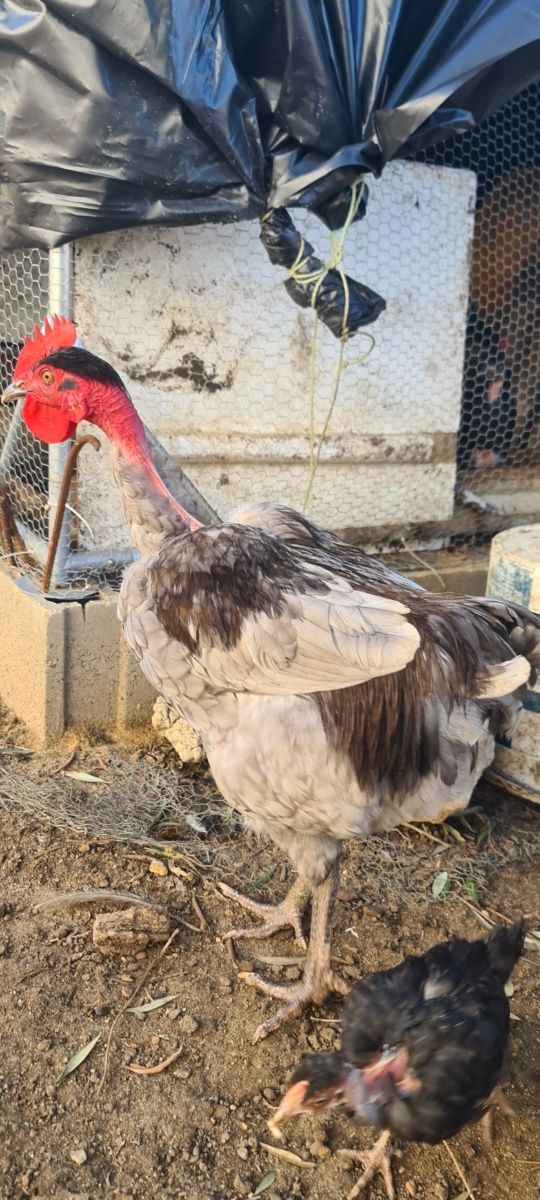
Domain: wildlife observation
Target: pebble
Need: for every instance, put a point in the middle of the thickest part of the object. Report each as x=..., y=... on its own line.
x=43, y=1046
x=158, y=868
x=173, y=1013
x=155, y=1039
x=102, y=1010
x=410, y=1187
x=183, y=1073
x=242, y=1152
x=188, y=1024
x=240, y=1186
x=320, y=1151
x=3, y=948
x=64, y=931
x=269, y=1093
x=79, y=1157
x=123, y=1196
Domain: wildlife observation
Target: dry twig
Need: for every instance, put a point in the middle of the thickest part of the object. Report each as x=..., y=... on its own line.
x=146, y=975
x=159, y=1067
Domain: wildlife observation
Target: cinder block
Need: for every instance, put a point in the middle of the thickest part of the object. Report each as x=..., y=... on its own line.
x=32, y=654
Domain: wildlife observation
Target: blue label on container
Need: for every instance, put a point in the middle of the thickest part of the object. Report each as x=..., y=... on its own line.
x=508, y=581
x=532, y=701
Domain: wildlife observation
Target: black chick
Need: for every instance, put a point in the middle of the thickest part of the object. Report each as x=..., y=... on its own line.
x=424, y=1048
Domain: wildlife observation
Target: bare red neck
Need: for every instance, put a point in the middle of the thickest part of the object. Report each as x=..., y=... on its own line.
x=152, y=512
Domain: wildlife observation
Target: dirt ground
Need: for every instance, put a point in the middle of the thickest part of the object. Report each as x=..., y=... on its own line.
x=198, y=1129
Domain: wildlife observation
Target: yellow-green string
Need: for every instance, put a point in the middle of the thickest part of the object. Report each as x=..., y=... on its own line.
x=335, y=262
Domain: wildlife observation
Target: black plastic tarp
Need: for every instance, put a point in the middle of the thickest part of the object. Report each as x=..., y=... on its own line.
x=176, y=111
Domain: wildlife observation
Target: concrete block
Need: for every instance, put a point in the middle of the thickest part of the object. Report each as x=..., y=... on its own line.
x=66, y=666
x=32, y=654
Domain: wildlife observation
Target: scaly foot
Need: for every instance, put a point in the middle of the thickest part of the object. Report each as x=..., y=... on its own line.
x=496, y=1100
x=319, y=978
x=318, y=981
x=273, y=916
x=377, y=1160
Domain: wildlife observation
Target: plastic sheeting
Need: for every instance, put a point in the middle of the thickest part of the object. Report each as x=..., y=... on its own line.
x=176, y=111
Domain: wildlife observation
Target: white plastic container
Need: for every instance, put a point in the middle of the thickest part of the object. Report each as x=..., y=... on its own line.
x=514, y=574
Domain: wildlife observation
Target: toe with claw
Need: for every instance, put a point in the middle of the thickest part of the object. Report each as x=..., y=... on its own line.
x=273, y=916
x=375, y=1161
x=318, y=982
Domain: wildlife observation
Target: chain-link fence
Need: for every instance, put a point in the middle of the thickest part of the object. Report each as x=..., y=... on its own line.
x=218, y=360
x=24, y=468
x=498, y=451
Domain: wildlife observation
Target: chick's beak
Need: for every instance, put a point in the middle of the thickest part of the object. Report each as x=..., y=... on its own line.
x=291, y=1106
x=15, y=391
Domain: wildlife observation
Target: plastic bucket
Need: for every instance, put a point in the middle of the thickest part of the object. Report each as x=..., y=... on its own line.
x=514, y=574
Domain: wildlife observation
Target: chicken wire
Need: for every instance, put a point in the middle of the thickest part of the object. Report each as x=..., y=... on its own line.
x=24, y=466
x=498, y=446
x=190, y=371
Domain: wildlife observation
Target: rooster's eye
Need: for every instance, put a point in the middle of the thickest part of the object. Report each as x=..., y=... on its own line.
x=47, y=377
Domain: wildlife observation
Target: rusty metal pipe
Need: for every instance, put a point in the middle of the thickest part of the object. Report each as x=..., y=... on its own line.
x=87, y=440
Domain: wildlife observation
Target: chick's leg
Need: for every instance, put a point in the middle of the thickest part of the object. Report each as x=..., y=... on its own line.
x=496, y=1100
x=319, y=978
x=376, y=1160
x=273, y=916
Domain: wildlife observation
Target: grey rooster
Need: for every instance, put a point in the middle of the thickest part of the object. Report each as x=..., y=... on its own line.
x=334, y=698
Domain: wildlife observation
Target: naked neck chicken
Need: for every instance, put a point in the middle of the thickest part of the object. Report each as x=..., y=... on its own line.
x=424, y=1049
x=334, y=698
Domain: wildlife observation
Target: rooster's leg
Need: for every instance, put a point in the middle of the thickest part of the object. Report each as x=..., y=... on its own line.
x=375, y=1160
x=273, y=916
x=319, y=979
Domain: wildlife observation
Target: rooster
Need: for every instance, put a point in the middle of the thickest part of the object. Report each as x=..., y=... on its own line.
x=424, y=1049
x=334, y=698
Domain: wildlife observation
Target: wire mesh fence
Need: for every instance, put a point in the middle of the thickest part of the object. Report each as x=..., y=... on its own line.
x=477, y=426
x=24, y=480
x=498, y=450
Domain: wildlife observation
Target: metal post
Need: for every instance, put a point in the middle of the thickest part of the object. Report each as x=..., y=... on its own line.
x=60, y=304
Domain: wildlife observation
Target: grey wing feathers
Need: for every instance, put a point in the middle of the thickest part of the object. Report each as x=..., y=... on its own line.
x=316, y=643
x=251, y=616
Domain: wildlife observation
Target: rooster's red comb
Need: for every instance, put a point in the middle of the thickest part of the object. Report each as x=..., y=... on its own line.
x=57, y=333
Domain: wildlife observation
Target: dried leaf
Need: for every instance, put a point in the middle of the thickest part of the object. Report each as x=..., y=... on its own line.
x=18, y=751
x=159, y=1067
x=76, y=1059
x=83, y=777
x=152, y=1004
x=441, y=885
x=462, y=1196
x=262, y=879
x=514, y=1017
x=483, y=836
x=471, y=889
x=509, y=988
x=265, y=1183
x=286, y=1155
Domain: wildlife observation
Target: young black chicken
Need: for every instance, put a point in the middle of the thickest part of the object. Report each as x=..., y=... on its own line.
x=424, y=1048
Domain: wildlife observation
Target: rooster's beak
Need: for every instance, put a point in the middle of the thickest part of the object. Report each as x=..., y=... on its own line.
x=12, y=393
x=291, y=1106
